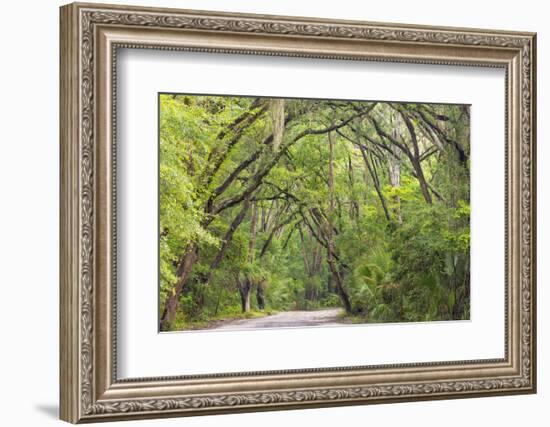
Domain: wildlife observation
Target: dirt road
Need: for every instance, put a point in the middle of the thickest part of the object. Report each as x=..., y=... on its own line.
x=329, y=316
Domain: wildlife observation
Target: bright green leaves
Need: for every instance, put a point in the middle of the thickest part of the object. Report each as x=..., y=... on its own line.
x=402, y=256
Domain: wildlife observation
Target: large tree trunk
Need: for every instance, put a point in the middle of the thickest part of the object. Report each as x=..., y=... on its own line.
x=244, y=291
x=339, y=282
x=172, y=301
x=186, y=265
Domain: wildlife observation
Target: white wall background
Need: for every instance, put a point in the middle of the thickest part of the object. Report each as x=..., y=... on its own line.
x=29, y=171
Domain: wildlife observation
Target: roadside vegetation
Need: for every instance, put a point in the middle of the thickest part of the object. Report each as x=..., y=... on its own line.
x=271, y=205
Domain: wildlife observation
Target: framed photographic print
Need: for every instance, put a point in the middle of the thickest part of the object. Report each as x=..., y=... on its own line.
x=265, y=212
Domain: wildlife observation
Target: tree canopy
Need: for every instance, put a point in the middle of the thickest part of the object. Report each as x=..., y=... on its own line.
x=270, y=204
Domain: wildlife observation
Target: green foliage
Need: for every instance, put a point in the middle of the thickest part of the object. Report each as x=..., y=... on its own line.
x=436, y=282
x=401, y=255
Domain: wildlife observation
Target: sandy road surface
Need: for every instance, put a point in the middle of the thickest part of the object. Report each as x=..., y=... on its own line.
x=329, y=316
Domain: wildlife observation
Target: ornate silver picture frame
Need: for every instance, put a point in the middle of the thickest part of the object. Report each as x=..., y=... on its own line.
x=91, y=35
